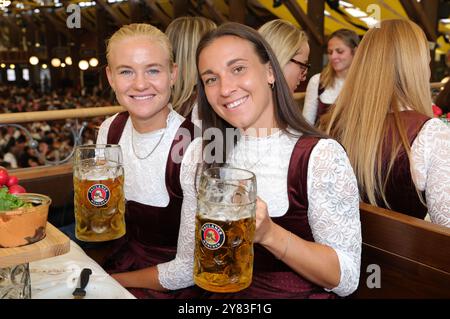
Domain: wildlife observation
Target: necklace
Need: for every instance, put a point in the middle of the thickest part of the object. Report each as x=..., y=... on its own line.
x=245, y=160
x=244, y=150
x=154, y=148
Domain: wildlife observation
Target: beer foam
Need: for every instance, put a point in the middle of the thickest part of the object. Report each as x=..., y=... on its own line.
x=224, y=212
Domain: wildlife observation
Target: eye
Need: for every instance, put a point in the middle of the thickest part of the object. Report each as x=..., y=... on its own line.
x=153, y=71
x=125, y=72
x=239, y=69
x=209, y=81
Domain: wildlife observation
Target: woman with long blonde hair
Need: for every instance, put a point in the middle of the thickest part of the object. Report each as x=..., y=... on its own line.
x=290, y=45
x=323, y=88
x=383, y=118
x=184, y=34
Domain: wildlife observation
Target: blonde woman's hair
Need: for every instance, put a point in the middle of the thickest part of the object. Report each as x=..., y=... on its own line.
x=284, y=38
x=351, y=39
x=185, y=33
x=141, y=30
x=390, y=72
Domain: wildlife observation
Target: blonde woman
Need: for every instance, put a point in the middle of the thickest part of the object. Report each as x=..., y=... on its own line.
x=323, y=88
x=290, y=45
x=383, y=118
x=184, y=33
x=141, y=72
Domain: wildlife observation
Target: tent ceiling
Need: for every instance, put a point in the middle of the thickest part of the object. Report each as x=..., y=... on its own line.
x=338, y=13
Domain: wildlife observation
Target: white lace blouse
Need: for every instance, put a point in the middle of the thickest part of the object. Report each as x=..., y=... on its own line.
x=430, y=169
x=145, y=179
x=332, y=193
x=328, y=96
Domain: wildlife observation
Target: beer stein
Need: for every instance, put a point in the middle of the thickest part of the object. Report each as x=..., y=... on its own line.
x=98, y=179
x=224, y=229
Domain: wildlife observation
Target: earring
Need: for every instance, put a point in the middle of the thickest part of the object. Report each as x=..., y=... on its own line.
x=272, y=85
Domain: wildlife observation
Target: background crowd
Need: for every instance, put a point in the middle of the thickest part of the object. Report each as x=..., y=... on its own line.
x=54, y=140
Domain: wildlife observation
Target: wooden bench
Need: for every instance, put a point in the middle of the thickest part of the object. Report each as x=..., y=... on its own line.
x=413, y=256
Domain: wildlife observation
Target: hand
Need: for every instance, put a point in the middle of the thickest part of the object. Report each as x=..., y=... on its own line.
x=264, y=223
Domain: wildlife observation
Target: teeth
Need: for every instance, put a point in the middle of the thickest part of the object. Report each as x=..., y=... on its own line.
x=236, y=103
x=146, y=97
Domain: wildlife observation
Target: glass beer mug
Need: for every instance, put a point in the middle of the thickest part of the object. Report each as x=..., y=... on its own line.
x=224, y=229
x=98, y=179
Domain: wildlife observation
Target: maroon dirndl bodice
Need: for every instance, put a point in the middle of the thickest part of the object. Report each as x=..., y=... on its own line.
x=400, y=191
x=273, y=279
x=322, y=108
x=151, y=232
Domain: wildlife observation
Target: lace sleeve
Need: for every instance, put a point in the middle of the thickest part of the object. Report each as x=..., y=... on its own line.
x=178, y=273
x=311, y=99
x=430, y=168
x=333, y=211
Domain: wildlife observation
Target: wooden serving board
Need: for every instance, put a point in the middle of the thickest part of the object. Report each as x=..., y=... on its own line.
x=55, y=243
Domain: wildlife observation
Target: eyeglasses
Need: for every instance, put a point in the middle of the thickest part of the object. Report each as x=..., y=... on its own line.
x=303, y=66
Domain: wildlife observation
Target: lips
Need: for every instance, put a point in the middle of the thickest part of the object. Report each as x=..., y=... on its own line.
x=236, y=103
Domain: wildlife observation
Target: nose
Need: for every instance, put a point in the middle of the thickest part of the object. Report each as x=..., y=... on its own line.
x=334, y=55
x=302, y=76
x=140, y=82
x=227, y=86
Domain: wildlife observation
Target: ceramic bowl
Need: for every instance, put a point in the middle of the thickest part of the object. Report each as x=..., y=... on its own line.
x=24, y=226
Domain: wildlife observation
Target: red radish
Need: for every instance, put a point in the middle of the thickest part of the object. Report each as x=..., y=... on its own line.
x=4, y=177
x=17, y=189
x=13, y=180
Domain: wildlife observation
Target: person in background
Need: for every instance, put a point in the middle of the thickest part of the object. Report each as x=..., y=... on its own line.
x=141, y=72
x=290, y=45
x=184, y=33
x=308, y=232
x=400, y=154
x=323, y=88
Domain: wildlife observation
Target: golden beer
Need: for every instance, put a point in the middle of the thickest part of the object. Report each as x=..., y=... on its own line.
x=97, y=217
x=224, y=253
x=99, y=192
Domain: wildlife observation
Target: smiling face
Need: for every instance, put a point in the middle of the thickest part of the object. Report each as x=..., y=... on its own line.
x=140, y=73
x=293, y=72
x=236, y=83
x=340, y=55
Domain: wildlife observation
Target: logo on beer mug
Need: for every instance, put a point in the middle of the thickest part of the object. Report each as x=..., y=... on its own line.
x=98, y=194
x=213, y=236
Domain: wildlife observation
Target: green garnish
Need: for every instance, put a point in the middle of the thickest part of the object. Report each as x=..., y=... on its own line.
x=9, y=201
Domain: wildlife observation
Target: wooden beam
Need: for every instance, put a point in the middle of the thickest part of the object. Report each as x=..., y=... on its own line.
x=13, y=25
x=416, y=12
x=103, y=32
x=315, y=13
x=122, y=10
x=15, y=33
x=303, y=20
x=180, y=8
x=59, y=26
x=238, y=10
x=158, y=13
x=118, y=18
x=87, y=22
x=216, y=15
x=136, y=14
